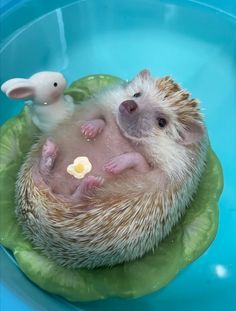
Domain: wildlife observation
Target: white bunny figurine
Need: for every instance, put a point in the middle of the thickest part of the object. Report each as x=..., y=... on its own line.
x=48, y=105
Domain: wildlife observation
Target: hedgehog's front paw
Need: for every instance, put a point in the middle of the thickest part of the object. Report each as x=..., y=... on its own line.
x=88, y=185
x=90, y=129
x=125, y=161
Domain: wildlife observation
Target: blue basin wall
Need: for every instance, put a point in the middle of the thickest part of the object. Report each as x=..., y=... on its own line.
x=195, y=41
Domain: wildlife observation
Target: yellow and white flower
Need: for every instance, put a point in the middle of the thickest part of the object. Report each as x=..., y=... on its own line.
x=80, y=167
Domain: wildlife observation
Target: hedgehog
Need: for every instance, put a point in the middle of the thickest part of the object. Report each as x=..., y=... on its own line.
x=144, y=144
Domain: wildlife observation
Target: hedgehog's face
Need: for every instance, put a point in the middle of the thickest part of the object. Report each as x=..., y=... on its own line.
x=160, y=110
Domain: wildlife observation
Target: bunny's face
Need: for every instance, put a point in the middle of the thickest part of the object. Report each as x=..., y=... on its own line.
x=48, y=86
x=43, y=87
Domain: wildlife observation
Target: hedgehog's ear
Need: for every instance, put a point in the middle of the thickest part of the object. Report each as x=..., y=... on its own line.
x=191, y=132
x=144, y=74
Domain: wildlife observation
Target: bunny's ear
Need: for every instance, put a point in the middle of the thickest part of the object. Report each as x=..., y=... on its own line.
x=18, y=88
x=21, y=91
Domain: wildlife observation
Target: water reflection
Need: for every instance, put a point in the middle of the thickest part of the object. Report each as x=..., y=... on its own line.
x=221, y=271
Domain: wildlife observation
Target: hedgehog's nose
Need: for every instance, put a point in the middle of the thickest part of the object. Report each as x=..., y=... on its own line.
x=128, y=106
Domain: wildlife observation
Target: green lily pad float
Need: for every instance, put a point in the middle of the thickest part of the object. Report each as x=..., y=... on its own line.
x=188, y=239
x=86, y=86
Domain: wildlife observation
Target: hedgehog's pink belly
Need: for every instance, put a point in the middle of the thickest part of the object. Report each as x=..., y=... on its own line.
x=98, y=152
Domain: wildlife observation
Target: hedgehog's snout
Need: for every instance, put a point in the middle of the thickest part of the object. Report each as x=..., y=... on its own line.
x=128, y=107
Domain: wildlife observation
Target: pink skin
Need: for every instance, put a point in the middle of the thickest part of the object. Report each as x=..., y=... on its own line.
x=115, y=166
x=126, y=161
x=88, y=185
x=90, y=129
x=49, y=153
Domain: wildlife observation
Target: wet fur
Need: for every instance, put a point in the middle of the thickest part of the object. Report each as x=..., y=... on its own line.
x=133, y=212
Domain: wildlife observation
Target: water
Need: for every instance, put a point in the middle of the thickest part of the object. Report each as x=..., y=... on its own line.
x=194, y=44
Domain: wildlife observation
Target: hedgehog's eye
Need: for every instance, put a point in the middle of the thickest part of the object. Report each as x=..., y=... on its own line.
x=161, y=122
x=55, y=84
x=137, y=94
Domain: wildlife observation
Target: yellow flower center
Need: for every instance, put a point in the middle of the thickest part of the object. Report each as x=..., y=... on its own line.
x=79, y=168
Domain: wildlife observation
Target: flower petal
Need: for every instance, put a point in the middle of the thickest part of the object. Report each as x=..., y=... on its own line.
x=70, y=169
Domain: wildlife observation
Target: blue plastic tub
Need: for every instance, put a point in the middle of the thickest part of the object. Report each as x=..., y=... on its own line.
x=195, y=41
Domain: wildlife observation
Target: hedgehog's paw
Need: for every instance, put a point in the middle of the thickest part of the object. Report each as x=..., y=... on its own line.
x=87, y=187
x=126, y=161
x=118, y=164
x=48, y=156
x=90, y=129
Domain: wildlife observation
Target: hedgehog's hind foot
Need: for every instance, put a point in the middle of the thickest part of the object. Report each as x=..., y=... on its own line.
x=49, y=154
x=87, y=187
